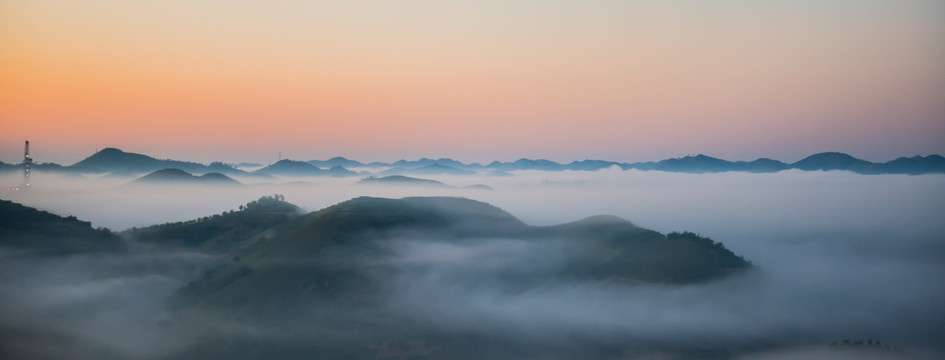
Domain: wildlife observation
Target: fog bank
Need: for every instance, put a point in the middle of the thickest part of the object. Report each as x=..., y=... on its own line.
x=838, y=255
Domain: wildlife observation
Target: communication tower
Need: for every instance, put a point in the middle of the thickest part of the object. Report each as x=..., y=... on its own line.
x=27, y=160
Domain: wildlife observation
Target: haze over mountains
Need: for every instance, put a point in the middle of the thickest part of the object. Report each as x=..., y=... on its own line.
x=111, y=160
x=397, y=261
x=835, y=255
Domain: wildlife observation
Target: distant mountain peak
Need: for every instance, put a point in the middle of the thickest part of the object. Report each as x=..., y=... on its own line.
x=836, y=161
x=109, y=150
x=178, y=176
x=829, y=154
x=115, y=160
x=603, y=219
x=401, y=180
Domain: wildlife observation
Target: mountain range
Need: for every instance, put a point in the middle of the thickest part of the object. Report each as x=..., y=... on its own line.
x=116, y=161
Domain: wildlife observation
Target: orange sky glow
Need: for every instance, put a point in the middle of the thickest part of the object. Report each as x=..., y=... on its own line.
x=472, y=80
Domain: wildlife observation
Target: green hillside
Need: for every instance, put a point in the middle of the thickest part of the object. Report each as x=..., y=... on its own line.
x=221, y=232
x=335, y=271
x=33, y=232
x=335, y=245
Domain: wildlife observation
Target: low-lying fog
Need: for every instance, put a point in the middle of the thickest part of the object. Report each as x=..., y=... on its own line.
x=839, y=256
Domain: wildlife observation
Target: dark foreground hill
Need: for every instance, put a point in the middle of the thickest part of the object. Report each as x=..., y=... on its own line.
x=28, y=231
x=345, y=272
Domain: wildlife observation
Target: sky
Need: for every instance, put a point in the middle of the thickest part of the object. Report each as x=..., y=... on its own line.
x=472, y=80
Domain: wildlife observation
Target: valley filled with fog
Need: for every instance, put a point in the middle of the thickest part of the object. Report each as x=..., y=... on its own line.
x=837, y=256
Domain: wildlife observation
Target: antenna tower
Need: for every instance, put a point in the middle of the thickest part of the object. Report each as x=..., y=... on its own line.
x=27, y=160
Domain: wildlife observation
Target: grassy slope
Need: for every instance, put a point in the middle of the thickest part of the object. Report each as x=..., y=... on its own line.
x=304, y=258
x=221, y=232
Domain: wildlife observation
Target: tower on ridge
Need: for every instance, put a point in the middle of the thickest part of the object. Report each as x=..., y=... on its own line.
x=27, y=161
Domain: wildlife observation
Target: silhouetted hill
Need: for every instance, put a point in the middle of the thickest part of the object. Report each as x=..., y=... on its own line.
x=432, y=169
x=218, y=179
x=763, y=165
x=33, y=232
x=527, y=164
x=178, y=177
x=836, y=161
x=292, y=168
x=453, y=163
x=336, y=161
x=115, y=160
x=51, y=167
x=221, y=232
x=707, y=164
x=36, y=166
x=169, y=176
x=589, y=165
x=915, y=165
x=340, y=171
x=438, y=168
x=409, y=164
x=301, y=168
x=401, y=181
x=412, y=163
x=694, y=164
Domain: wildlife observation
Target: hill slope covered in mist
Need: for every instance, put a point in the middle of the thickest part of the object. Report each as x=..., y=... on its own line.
x=363, y=265
x=34, y=232
x=342, y=239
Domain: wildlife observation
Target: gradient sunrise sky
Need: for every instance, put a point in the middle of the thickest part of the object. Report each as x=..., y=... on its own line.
x=473, y=80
